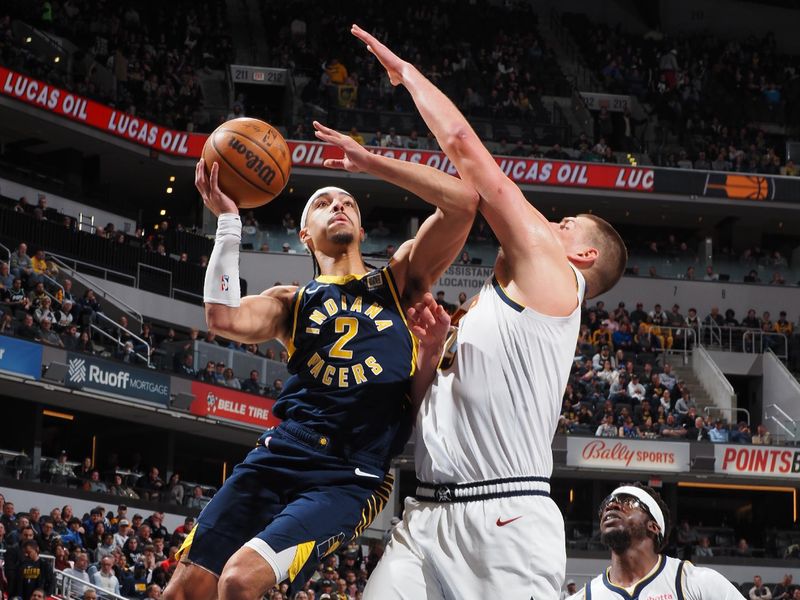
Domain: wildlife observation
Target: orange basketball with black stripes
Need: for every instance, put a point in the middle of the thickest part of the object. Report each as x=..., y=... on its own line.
x=254, y=160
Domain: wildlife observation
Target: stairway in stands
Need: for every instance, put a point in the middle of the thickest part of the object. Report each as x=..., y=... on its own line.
x=700, y=395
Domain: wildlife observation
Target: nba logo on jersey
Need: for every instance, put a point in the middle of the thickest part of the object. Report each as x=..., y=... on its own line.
x=374, y=281
x=224, y=280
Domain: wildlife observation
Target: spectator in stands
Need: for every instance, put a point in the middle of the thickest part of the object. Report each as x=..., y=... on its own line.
x=196, y=500
x=671, y=429
x=20, y=263
x=741, y=435
x=684, y=403
x=7, y=325
x=783, y=590
x=63, y=317
x=26, y=329
x=60, y=472
x=392, y=139
x=175, y=490
x=47, y=335
x=123, y=533
x=37, y=295
x=251, y=384
x=150, y=485
x=94, y=483
x=719, y=434
x=230, y=379
x=759, y=591
x=6, y=278
x=79, y=571
x=208, y=375
x=607, y=427
x=703, y=548
x=34, y=572
x=105, y=577
x=89, y=305
x=14, y=299
x=85, y=343
x=762, y=436
x=277, y=388
x=185, y=366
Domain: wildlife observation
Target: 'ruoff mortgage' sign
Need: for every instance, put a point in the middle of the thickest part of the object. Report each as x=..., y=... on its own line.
x=88, y=373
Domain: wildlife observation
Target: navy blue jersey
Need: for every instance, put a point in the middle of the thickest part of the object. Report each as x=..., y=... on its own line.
x=351, y=359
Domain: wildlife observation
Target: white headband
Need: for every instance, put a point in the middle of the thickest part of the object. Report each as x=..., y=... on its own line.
x=325, y=190
x=645, y=499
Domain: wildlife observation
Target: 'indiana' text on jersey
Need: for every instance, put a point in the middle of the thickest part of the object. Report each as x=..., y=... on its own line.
x=351, y=355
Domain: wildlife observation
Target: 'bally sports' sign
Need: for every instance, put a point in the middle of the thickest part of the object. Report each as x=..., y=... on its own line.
x=629, y=455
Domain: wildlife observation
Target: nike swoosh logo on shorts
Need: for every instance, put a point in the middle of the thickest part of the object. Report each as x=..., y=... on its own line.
x=501, y=523
x=361, y=473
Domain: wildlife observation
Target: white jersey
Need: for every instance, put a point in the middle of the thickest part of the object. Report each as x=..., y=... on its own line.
x=493, y=412
x=671, y=579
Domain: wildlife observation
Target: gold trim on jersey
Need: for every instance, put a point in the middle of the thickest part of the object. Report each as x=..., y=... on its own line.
x=290, y=347
x=183, y=551
x=340, y=279
x=396, y=296
x=301, y=554
x=374, y=505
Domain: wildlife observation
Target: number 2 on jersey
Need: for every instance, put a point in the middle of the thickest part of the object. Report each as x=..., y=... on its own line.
x=348, y=326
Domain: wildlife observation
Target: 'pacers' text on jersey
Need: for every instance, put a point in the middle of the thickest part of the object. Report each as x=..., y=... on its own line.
x=351, y=357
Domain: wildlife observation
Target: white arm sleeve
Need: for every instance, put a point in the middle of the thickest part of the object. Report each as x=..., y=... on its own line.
x=222, y=274
x=702, y=583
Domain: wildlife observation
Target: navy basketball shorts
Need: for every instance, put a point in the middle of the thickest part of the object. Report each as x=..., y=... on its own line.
x=294, y=500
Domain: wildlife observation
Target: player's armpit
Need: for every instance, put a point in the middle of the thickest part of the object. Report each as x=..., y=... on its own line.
x=258, y=318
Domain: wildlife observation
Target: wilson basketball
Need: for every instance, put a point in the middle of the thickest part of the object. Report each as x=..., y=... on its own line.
x=254, y=160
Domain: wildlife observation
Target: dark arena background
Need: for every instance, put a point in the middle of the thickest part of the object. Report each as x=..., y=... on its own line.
x=678, y=121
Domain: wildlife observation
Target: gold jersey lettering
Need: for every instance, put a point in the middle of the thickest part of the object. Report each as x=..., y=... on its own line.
x=343, y=372
x=327, y=376
x=317, y=316
x=373, y=310
x=330, y=306
x=344, y=302
x=316, y=363
x=382, y=324
x=356, y=307
x=358, y=373
x=373, y=365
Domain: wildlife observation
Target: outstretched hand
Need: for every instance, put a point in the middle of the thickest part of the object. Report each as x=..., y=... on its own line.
x=394, y=65
x=429, y=322
x=208, y=186
x=356, y=157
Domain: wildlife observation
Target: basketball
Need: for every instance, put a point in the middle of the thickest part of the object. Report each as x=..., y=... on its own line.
x=254, y=160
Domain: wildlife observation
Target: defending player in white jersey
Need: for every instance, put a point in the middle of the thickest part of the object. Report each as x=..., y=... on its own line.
x=633, y=519
x=482, y=523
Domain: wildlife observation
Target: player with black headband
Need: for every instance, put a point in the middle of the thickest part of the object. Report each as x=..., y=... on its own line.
x=633, y=523
x=320, y=477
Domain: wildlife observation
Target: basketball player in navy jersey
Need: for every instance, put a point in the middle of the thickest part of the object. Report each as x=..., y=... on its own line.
x=633, y=522
x=320, y=478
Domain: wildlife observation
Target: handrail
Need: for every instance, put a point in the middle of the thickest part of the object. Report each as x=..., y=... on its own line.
x=707, y=410
x=8, y=253
x=785, y=416
x=712, y=379
x=118, y=342
x=65, y=583
x=135, y=314
x=724, y=337
x=75, y=261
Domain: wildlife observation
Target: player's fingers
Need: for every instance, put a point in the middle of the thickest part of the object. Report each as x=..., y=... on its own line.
x=214, y=177
x=418, y=331
x=324, y=129
x=334, y=163
x=411, y=314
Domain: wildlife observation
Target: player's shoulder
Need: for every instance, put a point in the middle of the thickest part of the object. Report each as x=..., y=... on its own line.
x=285, y=294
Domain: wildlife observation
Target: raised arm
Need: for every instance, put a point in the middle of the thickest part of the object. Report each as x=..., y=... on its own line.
x=523, y=231
x=252, y=319
x=421, y=261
